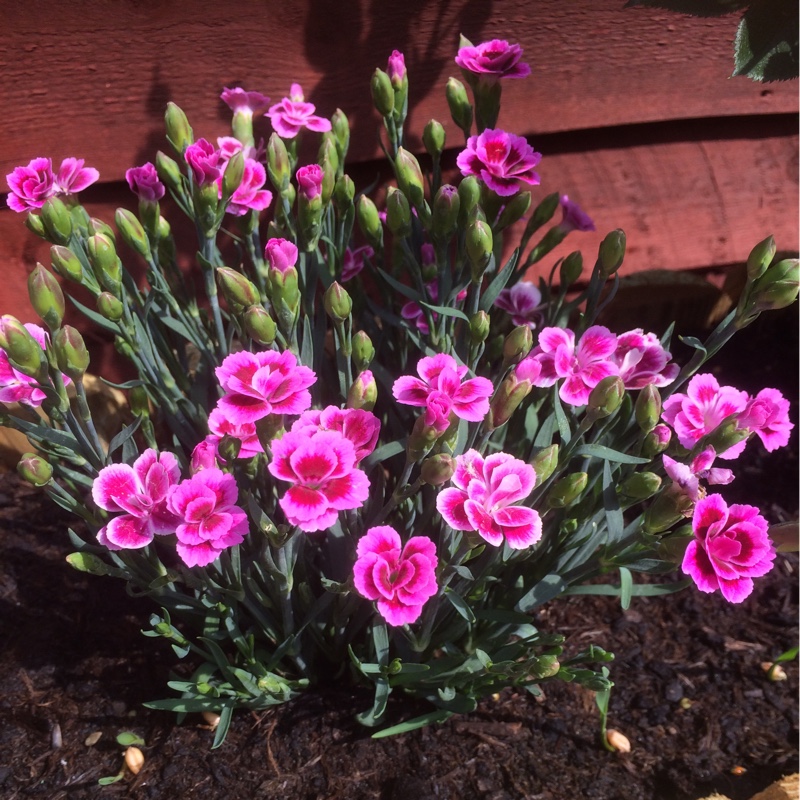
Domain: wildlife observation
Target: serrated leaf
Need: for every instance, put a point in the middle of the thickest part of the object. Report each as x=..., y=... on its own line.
x=766, y=44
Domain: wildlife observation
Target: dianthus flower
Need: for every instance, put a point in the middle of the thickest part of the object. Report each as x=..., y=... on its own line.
x=583, y=366
x=258, y=384
x=74, y=177
x=281, y=254
x=354, y=260
x=31, y=186
x=767, y=415
x=641, y=360
x=15, y=386
x=309, y=181
x=361, y=427
x=220, y=425
x=204, y=160
x=140, y=492
x=325, y=480
x=396, y=69
x=501, y=160
x=205, y=454
x=688, y=476
x=483, y=499
x=401, y=578
x=144, y=183
x=441, y=373
x=240, y=101
x=209, y=521
x=731, y=546
x=291, y=115
x=522, y=302
x=574, y=218
x=493, y=60
x=249, y=195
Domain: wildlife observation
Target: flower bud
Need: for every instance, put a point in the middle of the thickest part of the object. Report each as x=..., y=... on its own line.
x=672, y=547
x=363, y=350
x=409, y=177
x=168, y=171
x=57, y=221
x=237, y=289
x=382, y=92
x=66, y=263
x=433, y=137
x=340, y=126
x=364, y=392
x=232, y=177
x=571, y=269
x=656, y=441
x=86, y=562
x=726, y=435
x=760, y=258
x=133, y=233
x=33, y=469
x=672, y=505
x=104, y=261
x=647, y=409
x=139, y=401
x=343, y=193
x=337, y=302
x=398, y=214
x=640, y=486
x=46, y=296
x=179, y=132
x=517, y=345
x=542, y=214
x=511, y=392
x=229, y=448
x=96, y=225
x=22, y=349
x=280, y=172
x=369, y=221
x=259, y=325
x=328, y=180
x=269, y=428
x=515, y=209
x=778, y=286
x=33, y=222
x=459, y=105
x=479, y=327
x=446, y=206
x=438, y=469
x=611, y=253
x=479, y=243
x=606, y=397
x=545, y=462
x=72, y=356
x=469, y=193
x=565, y=491
x=327, y=149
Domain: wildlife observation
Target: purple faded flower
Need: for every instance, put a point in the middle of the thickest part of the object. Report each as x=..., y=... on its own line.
x=144, y=183
x=731, y=546
x=401, y=578
x=16, y=387
x=31, y=185
x=413, y=312
x=582, y=367
x=702, y=409
x=427, y=254
x=574, y=218
x=249, y=195
x=522, y=302
x=396, y=69
x=204, y=160
x=242, y=102
x=484, y=498
x=492, y=60
x=354, y=260
x=501, y=160
x=688, y=476
x=361, y=427
x=281, y=254
x=309, y=181
x=221, y=425
x=641, y=360
x=767, y=415
x=292, y=114
x=74, y=177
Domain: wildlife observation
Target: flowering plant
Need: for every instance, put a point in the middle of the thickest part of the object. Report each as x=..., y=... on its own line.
x=377, y=484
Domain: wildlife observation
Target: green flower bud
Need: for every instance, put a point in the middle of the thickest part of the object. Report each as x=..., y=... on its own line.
x=139, y=401
x=369, y=221
x=328, y=149
x=278, y=167
x=726, y=435
x=671, y=506
x=421, y=440
x=672, y=547
x=337, y=302
x=206, y=205
x=343, y=193
x=364, y=392
x=479, y=327
x=179, y=132
x=123, y=347
x=237, y=289
x=647, y=409
x=72, y=356
x=434, y=137
x=259, y=325
x=398, y=214
x=469, y=193
x=606, y=397
x=459, y=105
x=57, y=221
x=87, y=562
x=169, y=172
x=571, y=269
x=363, y=350
x=544, y=667
x=104, y=261
x=446, y=207
x=545, y=462
x=229, y=447
x=778, y=286
x=232, y=177
x=511, y=392
x=517, y=345
x=22, y=349
x=33, y=469
x=382, y=92
x=760, y=258
x=542, y=214
x=438, y=469
x=409, y=177
x=515, y=209
x=611, y=253
x=640, y=486
x=565, y=491
x=46, y=296
x=656, y=441
x=269, y=428
x=66, y=263
x=479, y=243
x=33, y=222
x=97, y=225
x=328, y=180
x=341, y=131
x=133, y=233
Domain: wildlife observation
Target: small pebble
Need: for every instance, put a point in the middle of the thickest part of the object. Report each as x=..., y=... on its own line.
x=55, y=737
x=674, y=691
x=93, y=738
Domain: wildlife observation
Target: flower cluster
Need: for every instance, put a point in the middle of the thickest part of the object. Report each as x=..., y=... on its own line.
x=33, y=185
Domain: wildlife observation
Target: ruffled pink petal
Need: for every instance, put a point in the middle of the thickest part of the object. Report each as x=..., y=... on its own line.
x=197, y=555
x=411, y=391
x=129, y=533
x=396, y=613
x=450, y=504
x=697, y=565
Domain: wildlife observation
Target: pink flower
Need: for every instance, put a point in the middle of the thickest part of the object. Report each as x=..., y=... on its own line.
x=441, y=373
x=767, y=415
x=362, y=428
x=258, y=384
x=427, y=256
x=229, y=146
x=322, y=470
x=16, y=387
x=204, y=160
x=144, y=183
x=574, y=218
x=522, y=301
x=702, y=409
x=641, y=360
x=501, y=160
x=30, y=186
x=209, y=519
x=74, y=177
x=493, y=60
x=140, y=492
x=205, y=454
x=730, y=548
x=437, y=412
x=583, y=366
x=688, y=477
x=309, y=181
x=249, y=195
x=281, y=254
x=292, y=114
x=483, y=496
x=402, y=579
x=245, y=432
x=396, y=68
x=242, y=102
x=354, y=261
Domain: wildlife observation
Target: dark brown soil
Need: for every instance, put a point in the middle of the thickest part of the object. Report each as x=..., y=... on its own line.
x=691, y=694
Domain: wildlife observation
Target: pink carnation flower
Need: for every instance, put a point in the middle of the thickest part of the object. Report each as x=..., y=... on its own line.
x=74, y=177
x=205, y=454
x=574, y=218
x=291, y=115
x=483, y=499
x=204, y=160
x=209, y=521
x=258, y=384
x=16, y=387
x=730, y=548
x=522, y=302
x=441, y=373
x=322, y=470
x=249, y=195
x=242, y=102
x=402, y=579
x=767, y=415
x=702, y=409
x=245, y=432
x=492, y=60
x=281, y=254
x=229, y=146
x=361, y=427
x=501, y=160
x=309, y=181
x=688, y=476
x=642, y=360
x=582, y=366
x=354, y=260
x=140, y=493
x=144, y=183
x=30, y=186
x=396, y=68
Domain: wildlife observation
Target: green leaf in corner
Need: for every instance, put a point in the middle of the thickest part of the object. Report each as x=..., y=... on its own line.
x=766, y=45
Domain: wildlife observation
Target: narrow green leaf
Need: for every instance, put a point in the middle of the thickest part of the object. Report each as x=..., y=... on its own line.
x=561, y=418
x=606, y=453
x=432, y=717
x=615, y=524
x=224, y=724
x=499, y=282
x=461, y=606
x=546, y=589
x=625, y=587
x=637, y=590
